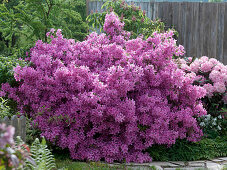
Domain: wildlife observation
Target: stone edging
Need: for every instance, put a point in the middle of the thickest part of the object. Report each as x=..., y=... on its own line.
x=215, y=164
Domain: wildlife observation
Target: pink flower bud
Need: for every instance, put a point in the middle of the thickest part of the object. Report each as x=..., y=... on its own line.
x=122, y=16
x=142, y=20
x=133, y=18
x=134, y=8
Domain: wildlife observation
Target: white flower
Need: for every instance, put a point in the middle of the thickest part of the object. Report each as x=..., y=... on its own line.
x=214, y=123
x=208, y=117
x=219, y=117
x=202, y=124
x=10, y=150
x=219, y=128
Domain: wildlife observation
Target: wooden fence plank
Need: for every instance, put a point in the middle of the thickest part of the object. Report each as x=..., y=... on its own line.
x=195, y=26
x=202, y=18
x=175, y=9
x=149, y=10
x=22, y=124
x=225, y=36
x=212, y=31
x=167, y=15
x=220, y=32
x=181, y=23
x=99, y=5
x=184, y=24
x=18, y=123
x=6, y=121
x=14, y=123
x=155, y=13
x=188, y=30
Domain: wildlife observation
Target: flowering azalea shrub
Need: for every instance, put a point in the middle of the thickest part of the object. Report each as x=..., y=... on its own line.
x=211, y=75
x=109, y=97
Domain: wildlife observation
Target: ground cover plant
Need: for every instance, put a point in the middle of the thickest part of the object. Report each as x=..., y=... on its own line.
x=121, y=96
x=183, y=150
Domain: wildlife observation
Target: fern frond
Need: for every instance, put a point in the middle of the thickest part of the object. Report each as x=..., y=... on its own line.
x=42, y=156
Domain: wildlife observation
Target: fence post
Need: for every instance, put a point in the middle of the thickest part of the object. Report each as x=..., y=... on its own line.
x=6, y=121
x=23, y=128
x=18, y=123
x=14, y=123
x=87, y=6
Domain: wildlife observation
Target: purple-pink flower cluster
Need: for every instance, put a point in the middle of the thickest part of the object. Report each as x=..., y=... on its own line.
x=112, y=24
x=109, y=97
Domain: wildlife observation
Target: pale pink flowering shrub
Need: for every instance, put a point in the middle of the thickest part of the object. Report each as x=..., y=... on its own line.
x=109, y=97
x=210, y=74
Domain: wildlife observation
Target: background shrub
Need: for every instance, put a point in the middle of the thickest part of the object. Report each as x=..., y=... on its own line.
x=24, y=22
x=134, y=18
x=211, y=75
x=8, y=106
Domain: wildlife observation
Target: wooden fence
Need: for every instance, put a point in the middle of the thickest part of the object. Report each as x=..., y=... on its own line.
x=202, y=27
x=18, y=123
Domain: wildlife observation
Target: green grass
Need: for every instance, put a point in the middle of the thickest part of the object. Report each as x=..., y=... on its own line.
x=225, y=167
x=64, y=162
x=74, y=165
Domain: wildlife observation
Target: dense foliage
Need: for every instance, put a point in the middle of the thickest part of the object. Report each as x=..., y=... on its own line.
x=183, y=150
x=134, y=18
x=6, y=69
x=41, y=155
x=8, y=107
x=26, y=21
x=109, y=97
